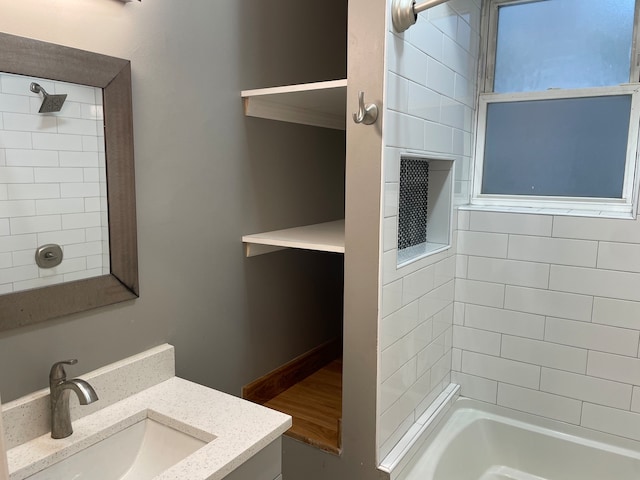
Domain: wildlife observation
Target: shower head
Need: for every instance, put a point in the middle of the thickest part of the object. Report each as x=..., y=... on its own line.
x=50, y=103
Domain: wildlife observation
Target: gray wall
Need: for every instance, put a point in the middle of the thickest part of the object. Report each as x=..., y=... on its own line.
x=205, y=175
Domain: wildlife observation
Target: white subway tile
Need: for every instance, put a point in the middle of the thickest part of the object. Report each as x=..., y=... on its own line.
x=589, y=228
x=396, y=325
x=93, y=234
x=92, y=112
x=64, y=205
x=29, y=123
x=76, y=126
x=82, y=274
x=545, y=302
x=6, y=288
x=611, y=420
x=3, y=157
x=428, y=356
x=32, y=191
x=591, y=281
x=482, y=244
x=443, y=320
x=17, y=274
x=445, y=270
x=32, y=158
x=426, y=37
x=459, y=309
x=456, y=359
x=63, y=237
x=464, y=35
x=404, y=131
x=417, y=284
x=92, y=204
x=445, y=19
x=391, y=199
x=614, y=367
x=456, y=58
x=14, y=103
x=80, y=220
x=397, y=93
x=544, y=353
x=464, y=219
x=423, y=102
x=475, y=340
x=480, y=293
x=440, y=78
x=515, y=223
x=421, y=390
x=501, y=369
x=21, y=140
x=38, y=282
x=79, y=159
x=19, y=84
x=452, y=113
x=83, y=249
x=69, y=109
x=408, y=61
x=589, y=389
x=553, y=250
x=513, y=272
x=391, y=164
x=635, y=401
x=505, y=321
x=437, y=137
x=619, y=256
x=387, y=443
x=95, y=261
x=67, y=266
x=17, y=242
x=477, y=388
x=3, y=192
x=617, y=313
x=462, y=266
x=6, y=260
x=4, y=227
x=58, y=175
x=74, y=190
x=436, y=300
x=41, y=223
x=396, y=416
x=440, y=371
x=77, y=93
x=540, y=403
x=397, y=384
x=11, y=175
x=391, y=297
x=23, y=257
x=17, y=208
x=592, y=336
x=56, y=141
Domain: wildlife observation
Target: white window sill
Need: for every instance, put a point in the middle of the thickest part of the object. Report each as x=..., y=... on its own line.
x=548, y=211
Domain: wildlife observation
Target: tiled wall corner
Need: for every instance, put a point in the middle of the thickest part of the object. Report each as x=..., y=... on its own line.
x=52, y=184
x=547, y=316
x=429, y=110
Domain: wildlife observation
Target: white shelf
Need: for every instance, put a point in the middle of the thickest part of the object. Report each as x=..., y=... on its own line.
x=321, y=104
x=324, y=237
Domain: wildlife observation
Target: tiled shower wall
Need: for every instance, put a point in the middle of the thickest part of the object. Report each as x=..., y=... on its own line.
x=547, y=316
x=430, y=97
x=52, y=184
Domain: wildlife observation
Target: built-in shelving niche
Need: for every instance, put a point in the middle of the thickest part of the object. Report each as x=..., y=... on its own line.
x=309, y=387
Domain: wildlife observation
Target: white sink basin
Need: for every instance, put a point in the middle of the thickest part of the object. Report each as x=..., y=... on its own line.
x=139, y=452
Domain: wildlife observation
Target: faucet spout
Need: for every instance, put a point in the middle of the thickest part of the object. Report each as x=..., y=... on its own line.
x=60, y=389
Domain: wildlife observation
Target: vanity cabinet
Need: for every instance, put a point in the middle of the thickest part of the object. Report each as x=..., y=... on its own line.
x=264, y=465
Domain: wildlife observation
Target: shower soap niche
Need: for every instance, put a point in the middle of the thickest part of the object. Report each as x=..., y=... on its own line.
x=424, y=207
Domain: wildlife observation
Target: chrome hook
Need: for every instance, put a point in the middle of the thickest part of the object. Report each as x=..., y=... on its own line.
x=367, y=114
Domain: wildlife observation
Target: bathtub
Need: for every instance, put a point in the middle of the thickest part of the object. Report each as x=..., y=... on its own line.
x=478, y=441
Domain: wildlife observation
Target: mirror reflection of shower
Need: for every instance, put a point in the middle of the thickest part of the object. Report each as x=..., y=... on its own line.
x=50, y=103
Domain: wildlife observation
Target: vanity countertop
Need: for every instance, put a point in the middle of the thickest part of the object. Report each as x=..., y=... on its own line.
x=239, y=430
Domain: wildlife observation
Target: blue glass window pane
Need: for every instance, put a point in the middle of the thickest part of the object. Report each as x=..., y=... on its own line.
x=563, y=44
x=572, y=147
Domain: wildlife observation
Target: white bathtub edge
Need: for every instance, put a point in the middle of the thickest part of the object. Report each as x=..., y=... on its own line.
x=412, y=441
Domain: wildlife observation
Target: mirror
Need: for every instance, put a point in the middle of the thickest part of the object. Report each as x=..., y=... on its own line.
x=108, y=79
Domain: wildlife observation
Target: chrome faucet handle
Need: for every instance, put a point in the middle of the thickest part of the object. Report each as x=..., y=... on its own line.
x=57, y=372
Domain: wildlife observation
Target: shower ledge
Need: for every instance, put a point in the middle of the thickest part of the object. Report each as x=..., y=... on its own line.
x=320, y=104
x=323, y=237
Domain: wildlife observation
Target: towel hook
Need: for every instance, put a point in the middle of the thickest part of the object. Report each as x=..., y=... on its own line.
x=367, y=114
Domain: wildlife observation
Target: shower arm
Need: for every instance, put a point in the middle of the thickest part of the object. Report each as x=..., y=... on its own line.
x=404, y=13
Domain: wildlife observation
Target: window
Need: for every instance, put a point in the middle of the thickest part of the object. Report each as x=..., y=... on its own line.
x=558, y=110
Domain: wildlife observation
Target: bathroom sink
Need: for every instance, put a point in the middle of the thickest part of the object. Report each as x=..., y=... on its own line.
x=141, y=452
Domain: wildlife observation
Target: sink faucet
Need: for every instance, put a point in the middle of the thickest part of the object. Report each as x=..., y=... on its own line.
x=60, y=388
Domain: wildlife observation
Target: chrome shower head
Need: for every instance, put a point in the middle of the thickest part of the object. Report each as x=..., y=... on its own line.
x=50, y=103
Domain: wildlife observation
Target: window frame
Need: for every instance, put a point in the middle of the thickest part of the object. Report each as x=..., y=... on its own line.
x=631, y=183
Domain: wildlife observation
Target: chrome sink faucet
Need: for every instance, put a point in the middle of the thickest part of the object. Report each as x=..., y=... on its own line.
x=60, y=388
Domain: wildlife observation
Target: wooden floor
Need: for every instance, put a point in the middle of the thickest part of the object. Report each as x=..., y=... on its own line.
x=315, y=403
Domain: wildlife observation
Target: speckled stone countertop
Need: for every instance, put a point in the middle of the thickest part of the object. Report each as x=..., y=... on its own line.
x=234, y=429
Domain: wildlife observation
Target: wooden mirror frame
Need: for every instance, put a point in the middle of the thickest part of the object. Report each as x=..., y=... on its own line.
x=24, y=56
